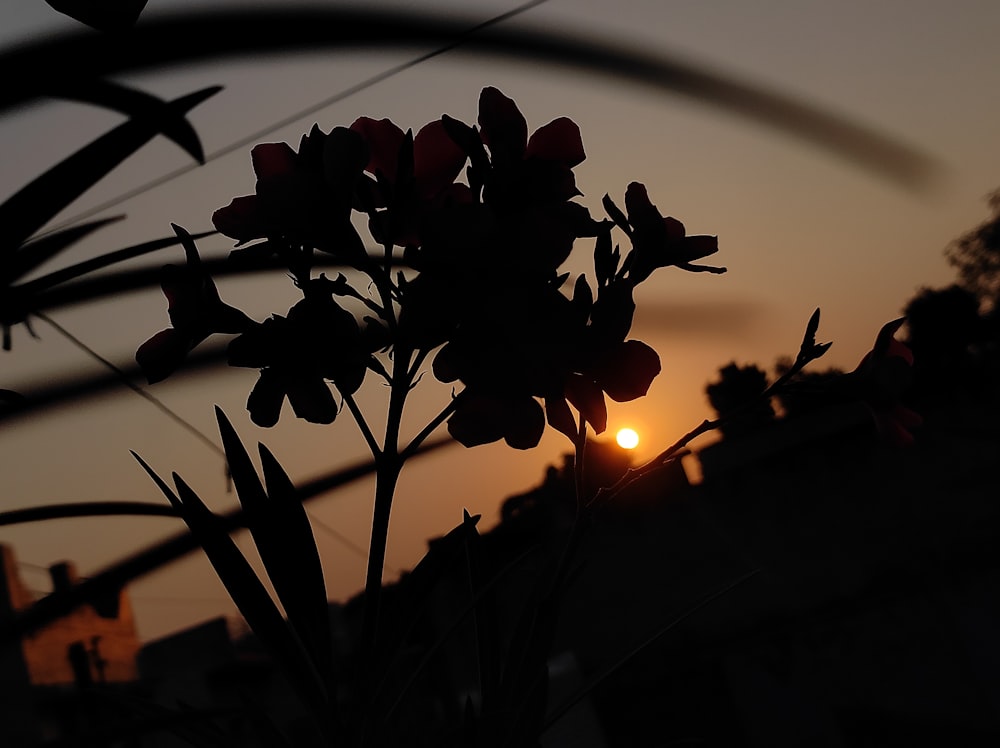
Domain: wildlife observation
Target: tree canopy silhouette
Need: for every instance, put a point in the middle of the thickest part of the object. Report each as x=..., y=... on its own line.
x=976, y=254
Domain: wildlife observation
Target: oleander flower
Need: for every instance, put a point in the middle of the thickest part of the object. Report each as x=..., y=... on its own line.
x=658, y=241
x=318, y=341
x=196, y=311
x=541, y=348
x=303, y=198
x=527, y=171
x=414, y=175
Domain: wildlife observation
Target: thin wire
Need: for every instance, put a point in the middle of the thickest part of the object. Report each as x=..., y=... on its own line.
x=130, y=384
x=343, y=539
x=336, y=535
x=293, y=118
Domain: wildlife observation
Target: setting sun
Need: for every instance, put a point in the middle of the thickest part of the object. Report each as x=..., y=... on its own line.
x=627, y=439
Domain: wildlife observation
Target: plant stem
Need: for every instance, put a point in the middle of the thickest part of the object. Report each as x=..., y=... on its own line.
x=440, y=418
x=390, y=463
x=359, y=418
x=385, y=488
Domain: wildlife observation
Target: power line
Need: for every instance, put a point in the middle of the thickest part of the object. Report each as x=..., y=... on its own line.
x=141, y=392
x=187, y=425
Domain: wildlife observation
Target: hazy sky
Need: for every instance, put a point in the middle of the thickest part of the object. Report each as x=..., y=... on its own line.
x=798, y=229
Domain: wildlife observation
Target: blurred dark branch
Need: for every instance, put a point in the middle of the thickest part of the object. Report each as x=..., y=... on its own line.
x=85, y=509
x=117, y=282
x=183, y=38
x=76, y=388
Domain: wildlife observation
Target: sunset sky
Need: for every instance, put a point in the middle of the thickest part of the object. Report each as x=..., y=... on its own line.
x=798, y=228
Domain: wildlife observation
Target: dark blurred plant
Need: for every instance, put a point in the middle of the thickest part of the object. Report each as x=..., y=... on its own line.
x=467, y=284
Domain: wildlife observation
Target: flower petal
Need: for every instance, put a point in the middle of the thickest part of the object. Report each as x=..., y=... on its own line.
x=437, y=159
x=311, y=399
x=266, y=398
x=559, y=416
x=525, y=423
x=384, y=138
x=272, y=160
x=242, y=220
x=558, y=141
x=628, y=370
x=162, y=354
x=588, y=398
x=477, y=420
x=504, y=129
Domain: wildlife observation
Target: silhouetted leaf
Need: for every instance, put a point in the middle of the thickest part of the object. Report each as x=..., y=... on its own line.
x=605, y=260
x=228, y=32
x=281, y=531
x=135, y=104
x=247, y=592
x=616, y=215
x=35, y=204
x=301, y=587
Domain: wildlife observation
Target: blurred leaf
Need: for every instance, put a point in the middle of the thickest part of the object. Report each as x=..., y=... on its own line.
x=96, y=263
x=243, y=31
x=103, y=15
x=10, y=396
x=85, y=509
x=31, y=254
x=37, y=203
x=135, y=104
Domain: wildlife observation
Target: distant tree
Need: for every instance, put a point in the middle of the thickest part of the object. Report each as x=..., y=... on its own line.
x=807, y=391
x=976, y=254
x=945, y=330
x=735, y=397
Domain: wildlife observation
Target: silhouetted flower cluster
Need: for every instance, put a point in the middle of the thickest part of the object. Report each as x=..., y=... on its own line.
x=483, y=284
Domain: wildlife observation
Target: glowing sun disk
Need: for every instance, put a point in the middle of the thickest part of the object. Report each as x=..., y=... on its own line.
x=627, y=438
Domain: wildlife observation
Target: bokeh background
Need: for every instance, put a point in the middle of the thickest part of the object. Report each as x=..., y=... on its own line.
x=798, y=227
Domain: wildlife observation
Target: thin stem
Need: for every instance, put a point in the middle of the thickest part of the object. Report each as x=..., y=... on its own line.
x=359, y=418
x=390, y=463
x=385, y=487
x=673, y=451
x=634, y=474
x=440, y=418
x=418, y=361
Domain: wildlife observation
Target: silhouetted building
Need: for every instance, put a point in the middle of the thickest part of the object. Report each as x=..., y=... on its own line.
x=41, y=676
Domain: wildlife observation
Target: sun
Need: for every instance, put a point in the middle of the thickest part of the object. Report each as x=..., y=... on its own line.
x=627, y=438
